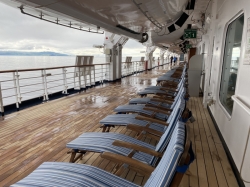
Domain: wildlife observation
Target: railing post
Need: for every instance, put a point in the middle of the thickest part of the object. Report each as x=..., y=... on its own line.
x=65, y=90
x=1, y=101
x=133, y=68
x=137, y=67
x=90, y=76
x=85, y=77
x=127, y=68
x=101, y=80
x=94, y=73
x=133, y=65
x=16, y=86
x=45, y=88
x=79, y=78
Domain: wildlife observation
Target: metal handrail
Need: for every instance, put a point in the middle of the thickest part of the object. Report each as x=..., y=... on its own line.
x=57, y=67
x=83, y=76
x=133, y=67
x=95, y=72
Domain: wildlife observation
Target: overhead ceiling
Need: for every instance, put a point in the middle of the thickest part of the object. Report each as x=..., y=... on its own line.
x=126, y=17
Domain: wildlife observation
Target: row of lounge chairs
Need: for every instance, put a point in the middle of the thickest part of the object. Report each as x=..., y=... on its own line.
x=162, y=117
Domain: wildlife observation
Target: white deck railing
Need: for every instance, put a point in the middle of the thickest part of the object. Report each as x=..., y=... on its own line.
x=25, y=84
x=129, y=68
x=17, y=86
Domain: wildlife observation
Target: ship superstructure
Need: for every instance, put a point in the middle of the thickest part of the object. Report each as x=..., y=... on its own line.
x=212, y=36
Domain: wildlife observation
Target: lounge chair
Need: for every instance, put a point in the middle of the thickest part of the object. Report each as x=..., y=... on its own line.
x=161, y=102
x=168, y=172
x=171, y=77
x=167, y=86
x=155, y=111
x=106, y=142
x=137, y=119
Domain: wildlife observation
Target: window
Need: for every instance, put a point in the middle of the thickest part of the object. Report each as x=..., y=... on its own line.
x=231, y=62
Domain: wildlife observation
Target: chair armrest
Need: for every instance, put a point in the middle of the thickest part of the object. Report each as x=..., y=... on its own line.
x=137, y=148
x=157, y=110
x=168, y=89
x=165, y=95
x=171, y=84
x=140, y=129
x=159, y=107
x=159, y=99
x=133, y=164
x=151, y=120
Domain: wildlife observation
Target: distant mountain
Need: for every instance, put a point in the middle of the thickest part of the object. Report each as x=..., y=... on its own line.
x=18, y=53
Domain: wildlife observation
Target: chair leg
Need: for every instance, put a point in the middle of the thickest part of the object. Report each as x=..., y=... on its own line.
x=72, y=158
x=104, y=128
x=79, y=156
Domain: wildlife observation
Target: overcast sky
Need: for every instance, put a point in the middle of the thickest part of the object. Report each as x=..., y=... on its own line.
x=20, y=32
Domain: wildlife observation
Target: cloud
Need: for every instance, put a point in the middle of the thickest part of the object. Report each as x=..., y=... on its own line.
x=20, y=32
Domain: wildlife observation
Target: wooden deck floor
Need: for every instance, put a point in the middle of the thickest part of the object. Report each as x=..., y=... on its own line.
x=40, y=133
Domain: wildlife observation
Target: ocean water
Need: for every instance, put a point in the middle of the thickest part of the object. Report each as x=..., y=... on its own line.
x=32, y=88
x=27, y=62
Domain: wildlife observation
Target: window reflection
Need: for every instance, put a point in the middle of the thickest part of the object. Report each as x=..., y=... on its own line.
x=231, y=62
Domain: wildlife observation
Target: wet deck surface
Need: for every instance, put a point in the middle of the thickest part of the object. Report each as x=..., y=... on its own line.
x=40, y=133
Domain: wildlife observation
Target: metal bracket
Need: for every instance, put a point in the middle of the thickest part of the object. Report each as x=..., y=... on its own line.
x=57, y=22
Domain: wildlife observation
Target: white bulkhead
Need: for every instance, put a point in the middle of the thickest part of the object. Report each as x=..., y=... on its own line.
x=234, y=127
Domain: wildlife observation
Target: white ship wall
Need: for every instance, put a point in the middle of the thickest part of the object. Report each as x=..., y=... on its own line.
x=234, y=128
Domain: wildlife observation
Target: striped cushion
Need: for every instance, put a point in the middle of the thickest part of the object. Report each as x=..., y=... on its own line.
x=159, y=87
x=102, y=142
x=164, y=172
x=147, y=100
x=165, y=138
x=125, y=119
x=122, y=119
x=155, y=91
x=59, y=174
x=179, y=104
x=139, y=109
x=167, y=76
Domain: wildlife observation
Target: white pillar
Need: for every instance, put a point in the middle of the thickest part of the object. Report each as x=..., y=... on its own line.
x=113, y=45
x=208, y=88
x=119, y=61
x=162, y=53
x=149, y=55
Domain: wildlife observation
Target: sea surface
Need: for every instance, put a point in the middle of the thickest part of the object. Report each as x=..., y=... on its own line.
x=33, y=87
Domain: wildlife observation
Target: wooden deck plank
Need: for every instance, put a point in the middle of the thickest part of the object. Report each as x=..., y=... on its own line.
x=212, y=180
x=40, y=133
x=217, y=168
x=193, y=170
x=202, y=173
x=230, y=178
